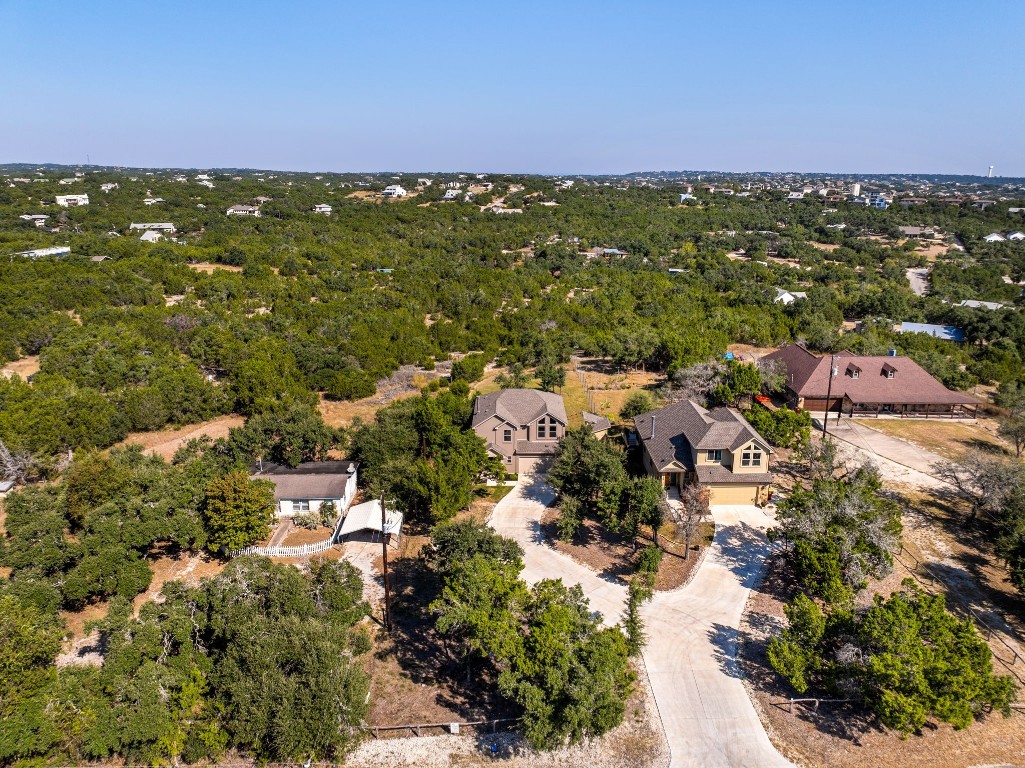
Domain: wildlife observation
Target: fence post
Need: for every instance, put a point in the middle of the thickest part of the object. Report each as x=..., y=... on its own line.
x=791, y=706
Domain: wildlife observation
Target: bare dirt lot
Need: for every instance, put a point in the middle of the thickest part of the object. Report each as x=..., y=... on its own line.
x=24, y=367
x=208, y=268
x=166, y=442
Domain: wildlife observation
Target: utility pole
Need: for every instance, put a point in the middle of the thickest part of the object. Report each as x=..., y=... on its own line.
x=384, y=546
x=829, y=393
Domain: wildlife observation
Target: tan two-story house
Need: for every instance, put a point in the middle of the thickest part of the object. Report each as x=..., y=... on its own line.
x=685, y=443
x=521, y=426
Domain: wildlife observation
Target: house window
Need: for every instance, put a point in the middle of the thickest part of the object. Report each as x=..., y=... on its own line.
x=889, y=373
x=301, y=505
x=507, y=435
x=546, y=427
x=854, y=373
x=751, y=458
x=713, y=455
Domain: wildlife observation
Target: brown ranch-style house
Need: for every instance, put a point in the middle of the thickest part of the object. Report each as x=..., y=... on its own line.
x=873, y=385
x=521, y=426
x=684, y=443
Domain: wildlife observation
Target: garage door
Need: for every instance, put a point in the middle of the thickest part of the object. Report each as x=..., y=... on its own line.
x=732, y=494
x=529, y=466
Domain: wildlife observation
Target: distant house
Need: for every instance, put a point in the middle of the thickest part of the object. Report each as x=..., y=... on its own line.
x=871, y=385
x=322, y=208
x=599, y=424
x=206, y=183
x=108, y=186
x=72, y=201
x=907, y=202
x=423, y=182
x=972, y=303
x=243, y=210
x=451, y=194
x=394, y=190
x=152, y=200
x=945, y=332
x=159, y=226
x=994, y=237
x=307, y=487
x=687, y=196
x=1016, y=210
x=1016, y=235
x=788, y=297
x=38, y=219
x=38, y=253
x=684, y=443
x=795, y=196
x=99, y=259
x=983, y=204
x=521, y=426
x=917, y=232
x=151, y=236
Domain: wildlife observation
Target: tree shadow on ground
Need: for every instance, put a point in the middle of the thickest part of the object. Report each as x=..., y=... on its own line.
x=743, y=549
x=466, y=685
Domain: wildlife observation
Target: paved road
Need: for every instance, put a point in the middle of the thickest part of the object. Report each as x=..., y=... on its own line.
x=919, y=279
x=691, y=653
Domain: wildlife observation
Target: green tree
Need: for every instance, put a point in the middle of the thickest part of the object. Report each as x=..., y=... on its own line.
x=637, y=403
x=551, y=375
x=238, y=511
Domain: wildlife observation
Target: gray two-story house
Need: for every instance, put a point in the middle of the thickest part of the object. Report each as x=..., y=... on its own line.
x=718, y=449
x=521, y=426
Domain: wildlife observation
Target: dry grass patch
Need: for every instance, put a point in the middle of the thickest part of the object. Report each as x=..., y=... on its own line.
x=949, y=439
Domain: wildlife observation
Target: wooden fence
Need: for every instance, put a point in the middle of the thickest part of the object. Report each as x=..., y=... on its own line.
x=416, y=729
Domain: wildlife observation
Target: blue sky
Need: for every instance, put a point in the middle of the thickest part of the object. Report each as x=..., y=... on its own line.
x=551, y=87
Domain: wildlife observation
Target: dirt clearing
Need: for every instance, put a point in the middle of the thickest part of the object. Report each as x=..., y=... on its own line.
x=949, y=439
x=24, y=367
x=166, y=442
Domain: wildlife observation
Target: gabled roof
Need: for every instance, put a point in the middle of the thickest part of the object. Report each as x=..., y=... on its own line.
x=808, y=376
x=310, y=480
x=518, y=406
x=596, y=422
x=671, y=432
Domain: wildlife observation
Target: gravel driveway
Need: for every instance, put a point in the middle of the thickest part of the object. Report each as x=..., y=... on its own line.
x=692, y=632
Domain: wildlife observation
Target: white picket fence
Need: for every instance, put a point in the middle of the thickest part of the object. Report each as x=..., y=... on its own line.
x=300, y=550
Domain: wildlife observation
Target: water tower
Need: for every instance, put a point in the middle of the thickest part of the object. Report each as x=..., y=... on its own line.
x=990, y=174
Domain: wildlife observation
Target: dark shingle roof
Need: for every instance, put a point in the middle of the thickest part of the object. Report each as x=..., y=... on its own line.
x=311, y=480
x=669, y=433
x=518, y=406
x=597, y=423
x=808, y=376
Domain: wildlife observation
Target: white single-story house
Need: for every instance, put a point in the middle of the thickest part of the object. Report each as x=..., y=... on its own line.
x=394, y=190
x=152, y=200
x=308, y=486
x=243, y=210
x=788, y=297
x=151, y=236
x=322, y=208
x=1016, y=235
x=72, y=201
x=994, y=237
x=108, y=186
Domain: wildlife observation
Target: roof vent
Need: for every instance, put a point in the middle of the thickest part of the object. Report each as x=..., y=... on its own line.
x=652, y=427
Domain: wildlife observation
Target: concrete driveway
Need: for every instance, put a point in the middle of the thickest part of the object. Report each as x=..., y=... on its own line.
x=691, y=655
x=518, y=517
x=709, y=720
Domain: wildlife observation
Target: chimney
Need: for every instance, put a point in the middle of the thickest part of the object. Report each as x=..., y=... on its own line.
x=652, y=427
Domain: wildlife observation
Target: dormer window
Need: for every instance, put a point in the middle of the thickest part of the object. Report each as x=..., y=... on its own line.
x=889, y=371
x=853, y=371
